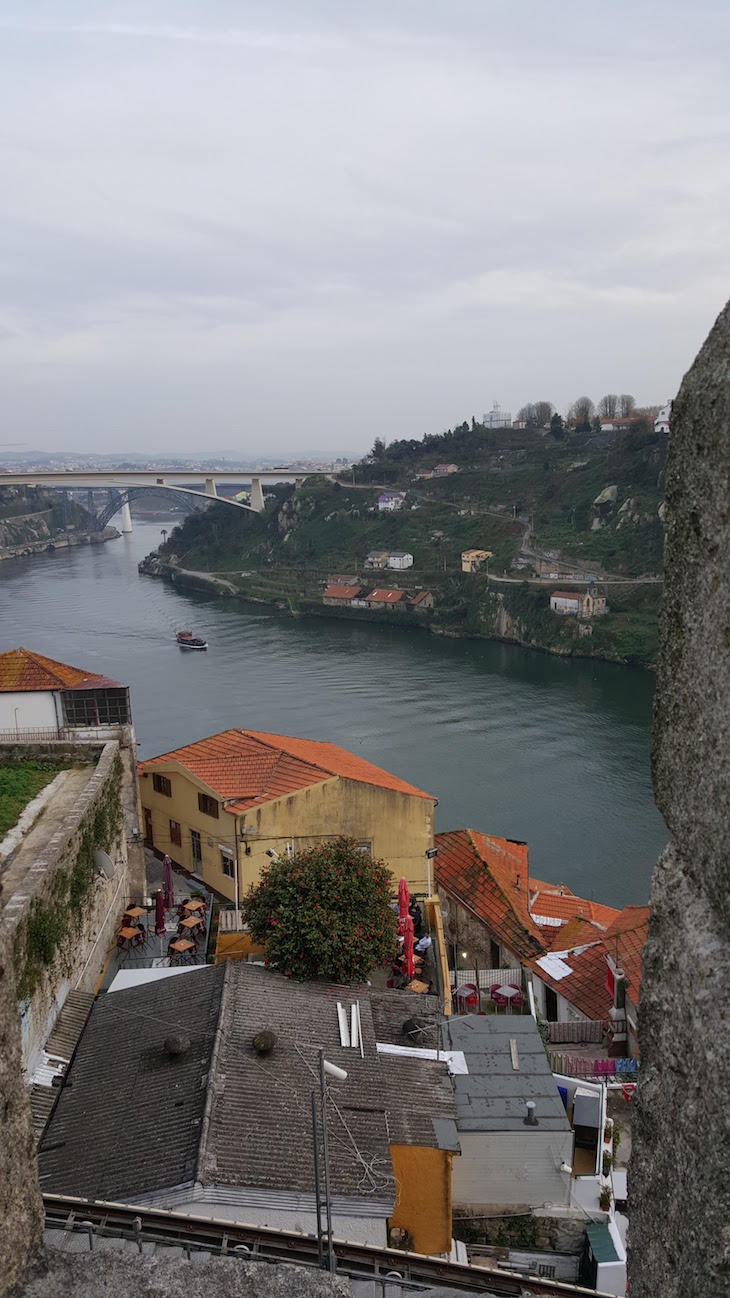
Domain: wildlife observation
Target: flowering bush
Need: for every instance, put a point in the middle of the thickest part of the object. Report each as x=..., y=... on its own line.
x=325, y=913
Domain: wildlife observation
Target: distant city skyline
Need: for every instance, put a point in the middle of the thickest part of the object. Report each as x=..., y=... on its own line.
x=300, y=224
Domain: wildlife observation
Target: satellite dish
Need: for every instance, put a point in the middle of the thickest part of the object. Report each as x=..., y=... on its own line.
x=104, y=865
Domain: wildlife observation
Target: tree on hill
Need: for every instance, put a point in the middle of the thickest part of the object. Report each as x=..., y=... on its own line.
x=556, y=426
x=626, y=405
x=608, y=406
x=581, y=412
x=543, y=413
x=325, y=913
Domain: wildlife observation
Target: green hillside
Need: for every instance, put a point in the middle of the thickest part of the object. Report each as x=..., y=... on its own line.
x=512, y=489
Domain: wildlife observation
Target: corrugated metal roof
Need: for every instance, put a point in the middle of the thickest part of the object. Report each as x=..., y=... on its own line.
x=602, y=1246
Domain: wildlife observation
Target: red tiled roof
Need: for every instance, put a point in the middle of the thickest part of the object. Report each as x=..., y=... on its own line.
x=385, y=596
x=566, y=594
x=585, y=986
x=252, y=766
x=21, y=671
x=341, y=592
x=422, y=594
x=490, y=876
x=624, y=942
x=559, y=903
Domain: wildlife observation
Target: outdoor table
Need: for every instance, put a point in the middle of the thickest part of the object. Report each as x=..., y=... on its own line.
x=417, y=986
x=510, y=992
x=194, y=905
x=134, y=912
x=133, y=936
x=190, y=923
x=181, y=945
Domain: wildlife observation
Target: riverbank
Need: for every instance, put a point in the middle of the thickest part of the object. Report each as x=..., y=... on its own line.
x=519, y=744
x=470, y=609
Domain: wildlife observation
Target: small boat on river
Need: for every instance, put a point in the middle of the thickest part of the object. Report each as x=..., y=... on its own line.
x=187, y=640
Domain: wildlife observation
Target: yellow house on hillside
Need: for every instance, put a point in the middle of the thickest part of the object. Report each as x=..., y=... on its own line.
x=217, y=807
x=472, y=560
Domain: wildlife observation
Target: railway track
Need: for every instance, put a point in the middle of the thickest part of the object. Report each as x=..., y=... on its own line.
x=361, y=1262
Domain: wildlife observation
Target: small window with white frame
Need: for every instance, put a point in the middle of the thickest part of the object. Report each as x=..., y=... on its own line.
x=227, y=865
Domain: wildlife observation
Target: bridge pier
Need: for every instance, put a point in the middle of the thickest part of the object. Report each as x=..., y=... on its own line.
x=298, y=484
x=126, y=517
x=210, y=488
x=257, y=496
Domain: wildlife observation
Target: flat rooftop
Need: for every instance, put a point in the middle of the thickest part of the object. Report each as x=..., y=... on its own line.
x=493, y=1095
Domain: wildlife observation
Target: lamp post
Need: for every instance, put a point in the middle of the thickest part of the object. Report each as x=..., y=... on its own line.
x=431, y=853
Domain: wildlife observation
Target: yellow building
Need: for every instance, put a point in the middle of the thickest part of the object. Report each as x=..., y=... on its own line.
x=472, y=560
x=217, y=807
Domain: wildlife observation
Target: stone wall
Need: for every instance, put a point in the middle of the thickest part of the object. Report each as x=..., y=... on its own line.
x=679, y=1242
x=59, y=920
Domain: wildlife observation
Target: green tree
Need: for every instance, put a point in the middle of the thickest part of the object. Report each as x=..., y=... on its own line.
x=326, y=913
x=556, y=425
x=378, y=450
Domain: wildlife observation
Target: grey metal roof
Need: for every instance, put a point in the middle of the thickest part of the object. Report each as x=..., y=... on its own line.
x=132, y=1121
x=128, y=1118
x=266, y=1102
x=493, y=1095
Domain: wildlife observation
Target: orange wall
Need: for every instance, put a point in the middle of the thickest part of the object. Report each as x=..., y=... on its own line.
x=235, y=946
x=423, y=1196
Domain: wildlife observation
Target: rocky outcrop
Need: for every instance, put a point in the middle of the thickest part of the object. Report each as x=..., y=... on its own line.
x=680, y=1187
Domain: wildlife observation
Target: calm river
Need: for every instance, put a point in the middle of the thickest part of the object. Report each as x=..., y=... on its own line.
x=512, y=742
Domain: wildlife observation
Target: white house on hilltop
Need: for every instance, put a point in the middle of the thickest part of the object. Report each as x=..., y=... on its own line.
x=661, y=423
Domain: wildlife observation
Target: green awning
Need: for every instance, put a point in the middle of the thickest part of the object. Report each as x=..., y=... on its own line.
x=602, y=1246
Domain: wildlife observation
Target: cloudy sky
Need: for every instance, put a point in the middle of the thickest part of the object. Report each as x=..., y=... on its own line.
x=304, y=223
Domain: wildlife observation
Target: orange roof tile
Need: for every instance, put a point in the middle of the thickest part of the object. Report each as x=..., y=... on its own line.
x=566, y=594
x=21, y=671
x=252, y=766
x=559, y=903
x=585, y=986
x=341, y=592
x=490, y=876
x=385, y=596
x=624, y=942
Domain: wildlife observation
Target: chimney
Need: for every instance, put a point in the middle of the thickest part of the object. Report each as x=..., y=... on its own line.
x=530, y=1120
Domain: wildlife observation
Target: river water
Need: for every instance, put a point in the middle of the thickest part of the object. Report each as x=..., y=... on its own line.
x=515, y=743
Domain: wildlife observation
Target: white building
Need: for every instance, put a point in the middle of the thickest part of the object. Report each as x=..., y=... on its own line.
x=390, y=501
x=566, y=602
x=47, y=699
x=506, y=1160
x=497, y=418
x=400, y=559
x=661, y=423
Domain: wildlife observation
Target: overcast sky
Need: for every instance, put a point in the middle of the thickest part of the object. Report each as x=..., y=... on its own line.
x=305, y=223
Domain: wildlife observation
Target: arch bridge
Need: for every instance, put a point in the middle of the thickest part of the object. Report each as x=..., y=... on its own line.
x=129, y=484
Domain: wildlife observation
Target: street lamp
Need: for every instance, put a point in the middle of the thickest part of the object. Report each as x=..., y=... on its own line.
x=431, y=853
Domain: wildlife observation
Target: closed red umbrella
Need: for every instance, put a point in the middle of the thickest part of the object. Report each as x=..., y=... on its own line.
x=403, y=900
x=167, y=887
x=409, y=967
x=160, y=929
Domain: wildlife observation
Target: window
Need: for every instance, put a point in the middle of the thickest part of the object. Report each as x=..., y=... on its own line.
x=208, y=805
x=365, y=846
x=546, y=1271
x=227, y=865
x=196, y=849
x=494, y=953
x=175, y=833
x=96, y=707
x=161, y=784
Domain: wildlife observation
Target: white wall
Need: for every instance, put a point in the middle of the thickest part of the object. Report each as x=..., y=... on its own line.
x=567, y=1013
x=359, y=1230
x=512, y=1167
x=36, y=710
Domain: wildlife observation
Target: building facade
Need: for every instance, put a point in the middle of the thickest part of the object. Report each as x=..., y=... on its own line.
x=217, y=807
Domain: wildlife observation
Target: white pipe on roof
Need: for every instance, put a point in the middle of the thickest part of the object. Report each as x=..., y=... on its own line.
x=353, y=1026
x=344, y=1030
